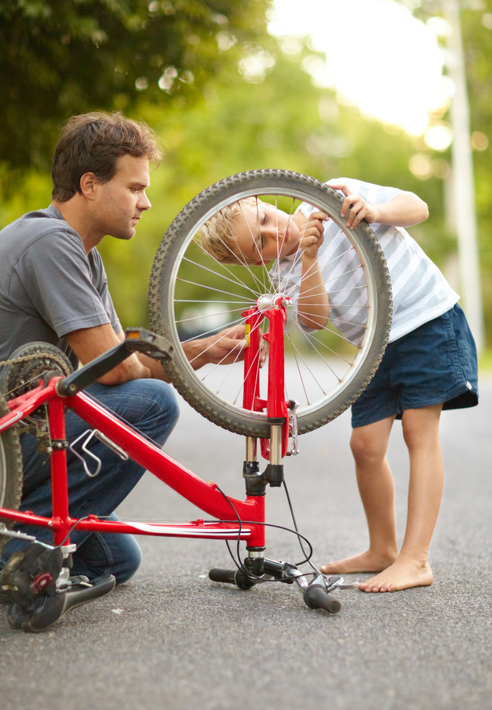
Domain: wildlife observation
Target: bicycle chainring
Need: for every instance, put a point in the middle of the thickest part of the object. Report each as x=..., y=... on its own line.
x=22, y=372
x=27, y=366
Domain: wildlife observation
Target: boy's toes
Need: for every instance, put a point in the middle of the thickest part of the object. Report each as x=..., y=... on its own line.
x=398, y=576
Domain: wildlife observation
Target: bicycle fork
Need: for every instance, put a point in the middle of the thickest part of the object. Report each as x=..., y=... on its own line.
x=256, y=568
x=277, y=409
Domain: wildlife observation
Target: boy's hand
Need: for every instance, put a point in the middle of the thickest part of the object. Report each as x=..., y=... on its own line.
x=359, y=208
x=312, y=234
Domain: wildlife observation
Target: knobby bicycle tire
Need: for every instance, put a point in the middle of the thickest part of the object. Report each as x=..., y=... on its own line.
x=171, y=256
x=10, y=471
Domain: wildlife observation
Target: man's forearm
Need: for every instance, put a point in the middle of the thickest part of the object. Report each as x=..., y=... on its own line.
x=196, y=352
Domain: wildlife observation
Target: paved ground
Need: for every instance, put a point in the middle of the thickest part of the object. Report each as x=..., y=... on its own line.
x=173, y=639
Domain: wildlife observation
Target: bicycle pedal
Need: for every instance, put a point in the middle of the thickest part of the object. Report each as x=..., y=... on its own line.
x=46, y=610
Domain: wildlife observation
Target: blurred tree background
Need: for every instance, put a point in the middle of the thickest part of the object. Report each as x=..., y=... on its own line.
x=225, y=97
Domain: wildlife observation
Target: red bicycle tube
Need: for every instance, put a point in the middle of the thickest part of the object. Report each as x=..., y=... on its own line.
x=56, y=410
x=252, y=359
x=276, y=405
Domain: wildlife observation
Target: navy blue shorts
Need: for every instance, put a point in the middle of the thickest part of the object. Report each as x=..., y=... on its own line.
x=436, y=362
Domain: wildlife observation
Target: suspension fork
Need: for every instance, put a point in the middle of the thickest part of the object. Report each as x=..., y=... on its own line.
x=276, y=408
x=275, y=448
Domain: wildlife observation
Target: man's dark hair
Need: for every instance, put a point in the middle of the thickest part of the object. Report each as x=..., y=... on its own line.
x=92, y=143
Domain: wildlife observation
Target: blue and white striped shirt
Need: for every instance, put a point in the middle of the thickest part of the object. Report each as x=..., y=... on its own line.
x=420, y=291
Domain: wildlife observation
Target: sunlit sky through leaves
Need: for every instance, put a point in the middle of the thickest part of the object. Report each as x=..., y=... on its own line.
x=378, y=56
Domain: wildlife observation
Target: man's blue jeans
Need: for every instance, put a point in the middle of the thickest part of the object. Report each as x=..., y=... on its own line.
x=148, y=405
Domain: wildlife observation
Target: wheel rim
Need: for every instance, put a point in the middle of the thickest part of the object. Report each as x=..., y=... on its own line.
x=189, y=307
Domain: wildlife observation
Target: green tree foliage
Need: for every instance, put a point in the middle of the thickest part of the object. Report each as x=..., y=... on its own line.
x=476, y=29
x=59, y=58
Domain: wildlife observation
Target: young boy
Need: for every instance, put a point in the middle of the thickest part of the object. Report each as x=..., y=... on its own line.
x=430, y=362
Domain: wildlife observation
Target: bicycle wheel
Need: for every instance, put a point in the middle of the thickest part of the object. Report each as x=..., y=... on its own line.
x=192, y=295
x=10, y=472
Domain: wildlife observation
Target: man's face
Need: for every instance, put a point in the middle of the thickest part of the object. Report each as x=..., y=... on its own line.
x=121, y=201
x=263, y=232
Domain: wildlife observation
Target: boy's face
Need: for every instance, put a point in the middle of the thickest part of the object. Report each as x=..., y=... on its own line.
x=263, y=232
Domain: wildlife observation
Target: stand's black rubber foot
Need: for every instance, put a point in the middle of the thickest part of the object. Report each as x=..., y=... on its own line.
x=46, y=610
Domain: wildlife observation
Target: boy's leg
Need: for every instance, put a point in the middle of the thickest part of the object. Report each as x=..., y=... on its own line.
x=369, y=445
x=411, y=568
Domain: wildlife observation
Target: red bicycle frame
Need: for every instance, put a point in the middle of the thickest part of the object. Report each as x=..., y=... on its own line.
x=206, y=495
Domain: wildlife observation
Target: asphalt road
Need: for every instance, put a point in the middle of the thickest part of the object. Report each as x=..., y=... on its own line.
x=172, y=639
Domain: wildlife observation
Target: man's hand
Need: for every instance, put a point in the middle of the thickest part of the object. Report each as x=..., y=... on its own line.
x=224, y=348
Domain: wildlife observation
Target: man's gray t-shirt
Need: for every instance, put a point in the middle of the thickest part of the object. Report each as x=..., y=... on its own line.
x=48, y=285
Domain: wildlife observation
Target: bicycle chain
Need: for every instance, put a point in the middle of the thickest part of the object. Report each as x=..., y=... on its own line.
x=26, y=358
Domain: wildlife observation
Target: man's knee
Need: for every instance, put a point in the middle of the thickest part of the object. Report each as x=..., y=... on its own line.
x=156, y=409
x=164, y=399
x=149, y=405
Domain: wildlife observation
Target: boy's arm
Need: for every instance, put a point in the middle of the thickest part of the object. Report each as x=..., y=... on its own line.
x=313, y=308
x=404, y=210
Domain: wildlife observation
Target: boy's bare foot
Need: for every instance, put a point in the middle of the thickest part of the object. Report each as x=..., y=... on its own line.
x=365, y=562
x=401, y=575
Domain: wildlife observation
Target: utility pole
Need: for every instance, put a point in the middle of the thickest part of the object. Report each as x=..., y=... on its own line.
x=463, y=177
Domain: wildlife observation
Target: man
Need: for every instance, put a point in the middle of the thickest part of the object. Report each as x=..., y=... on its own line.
x=53, y=288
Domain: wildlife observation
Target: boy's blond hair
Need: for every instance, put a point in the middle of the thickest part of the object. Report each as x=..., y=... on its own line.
x=217, y=234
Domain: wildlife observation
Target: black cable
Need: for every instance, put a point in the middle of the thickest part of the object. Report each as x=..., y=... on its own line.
x=299, y=536
x=238, y=562
x=239, y=565
x=86, y=517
